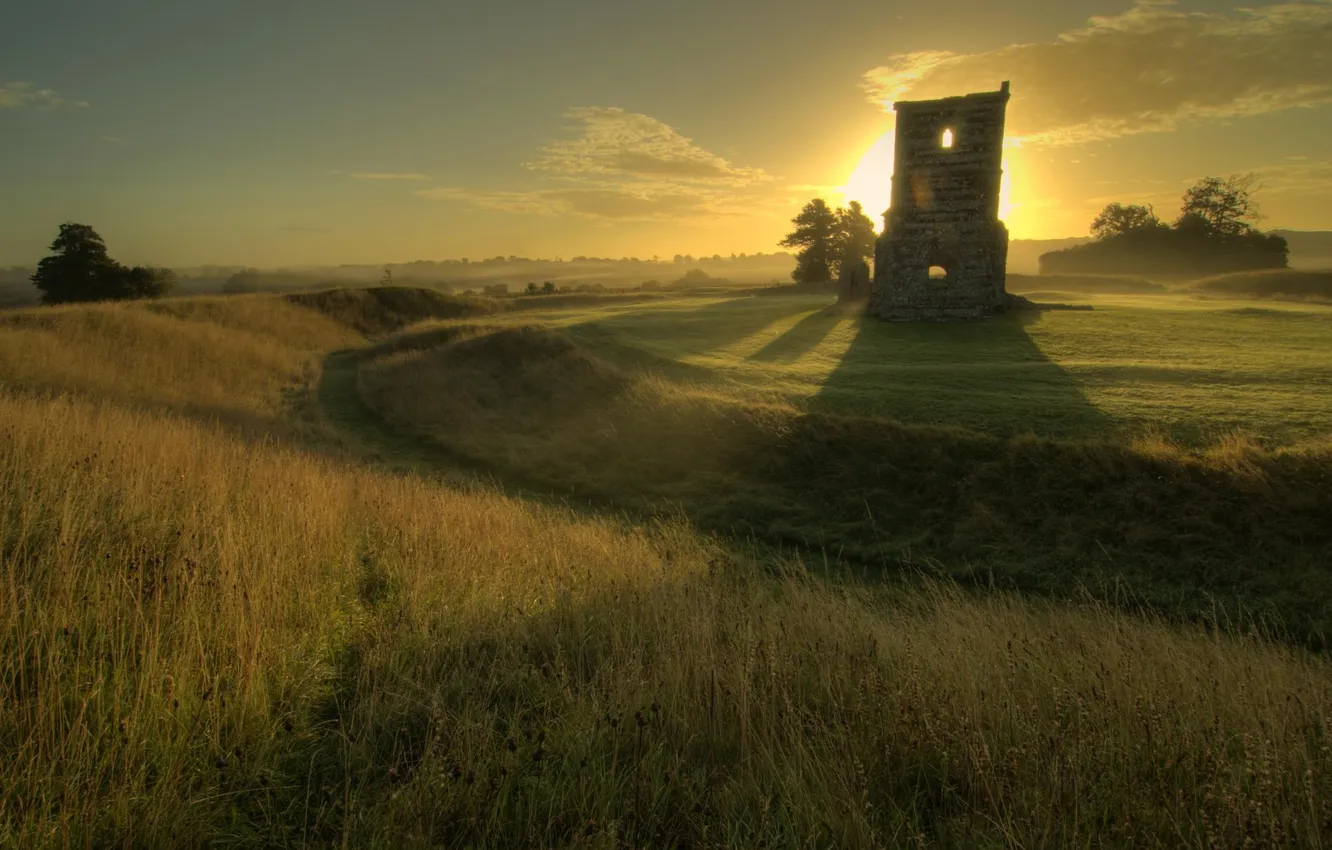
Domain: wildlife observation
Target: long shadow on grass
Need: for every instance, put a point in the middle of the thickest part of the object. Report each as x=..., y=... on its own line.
x=1179, y=533
x=873, y=469
x=987, y=376
x=799, y=339
x=702, y=329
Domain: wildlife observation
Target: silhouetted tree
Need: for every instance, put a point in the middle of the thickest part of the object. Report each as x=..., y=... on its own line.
x=146, y=282
x=548, y=288
x=695, y=278
x=1121, y=218
x=242, y=281
x=815, y=234
x=855, y=235
x=79, y=269
x=1220, y=206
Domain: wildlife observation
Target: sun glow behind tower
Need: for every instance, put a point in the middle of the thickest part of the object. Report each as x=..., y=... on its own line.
x=871, y=183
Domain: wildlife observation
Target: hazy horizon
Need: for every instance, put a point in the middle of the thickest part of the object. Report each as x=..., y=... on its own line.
x=246, y=135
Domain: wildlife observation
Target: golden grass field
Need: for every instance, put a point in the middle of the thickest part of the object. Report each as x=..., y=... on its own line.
x=246, y=600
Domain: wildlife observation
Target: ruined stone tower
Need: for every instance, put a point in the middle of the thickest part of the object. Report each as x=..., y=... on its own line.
x=943, y=249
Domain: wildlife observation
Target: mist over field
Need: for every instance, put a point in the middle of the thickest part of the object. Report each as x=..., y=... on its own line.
x=1308, y=251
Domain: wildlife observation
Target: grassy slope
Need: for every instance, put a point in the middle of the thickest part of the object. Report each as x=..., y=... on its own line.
x=230, y=360
x=1233, y=522
x=206, y=637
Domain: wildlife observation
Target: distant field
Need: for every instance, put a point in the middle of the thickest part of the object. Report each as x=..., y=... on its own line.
x=1285, y=284
x=1193, y=369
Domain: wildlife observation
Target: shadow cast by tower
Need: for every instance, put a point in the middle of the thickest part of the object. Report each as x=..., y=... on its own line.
x=986, y=376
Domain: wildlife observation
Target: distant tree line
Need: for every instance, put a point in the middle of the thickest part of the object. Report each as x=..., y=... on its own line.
x=677, y=259
x=827, y=238
x=79, y=269
x=16, y=289
x=549, y=287
x=1213, y=233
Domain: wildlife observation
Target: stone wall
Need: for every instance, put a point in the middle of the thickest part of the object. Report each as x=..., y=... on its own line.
x=945, y=212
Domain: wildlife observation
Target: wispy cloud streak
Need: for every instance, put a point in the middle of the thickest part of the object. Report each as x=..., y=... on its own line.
x=1151, y=68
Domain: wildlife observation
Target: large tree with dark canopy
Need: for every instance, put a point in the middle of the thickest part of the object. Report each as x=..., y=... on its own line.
x=1213, y=234
x=79, y=269
x=1219, y=206
x=1122, y=218
x=815, y=235
x=855, y=235
x=827, y=238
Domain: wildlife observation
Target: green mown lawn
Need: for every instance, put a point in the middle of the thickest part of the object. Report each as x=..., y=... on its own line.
x=1192, y=368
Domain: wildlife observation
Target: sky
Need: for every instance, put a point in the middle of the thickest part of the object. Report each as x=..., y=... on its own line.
x=300, y=132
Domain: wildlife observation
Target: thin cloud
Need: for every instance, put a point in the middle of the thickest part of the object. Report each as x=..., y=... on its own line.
x=517, y=202
x=15, y=95
x=1298, y=177
x=626, y=167
x=388, y=175
x=626, y=145
x=1151, y=68
x=609, y=203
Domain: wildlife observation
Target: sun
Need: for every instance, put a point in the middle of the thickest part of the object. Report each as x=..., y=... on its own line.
x=871, y=181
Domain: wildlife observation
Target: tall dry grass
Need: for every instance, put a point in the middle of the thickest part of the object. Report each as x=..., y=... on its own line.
x=202, y=640
x=218, y=358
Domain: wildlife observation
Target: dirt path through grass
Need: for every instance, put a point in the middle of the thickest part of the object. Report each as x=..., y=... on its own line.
x=340, y=399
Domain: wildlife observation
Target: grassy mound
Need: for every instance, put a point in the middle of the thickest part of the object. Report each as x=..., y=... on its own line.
x=1028, y=284
x=382, y=309
x=165, y=355
x=1288, y=284
x=511, y=379
x=1183, y=527
x=565, y=300
x=379, y=310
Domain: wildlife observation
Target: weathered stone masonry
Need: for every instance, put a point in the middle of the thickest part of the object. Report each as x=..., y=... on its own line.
x=944, y=213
